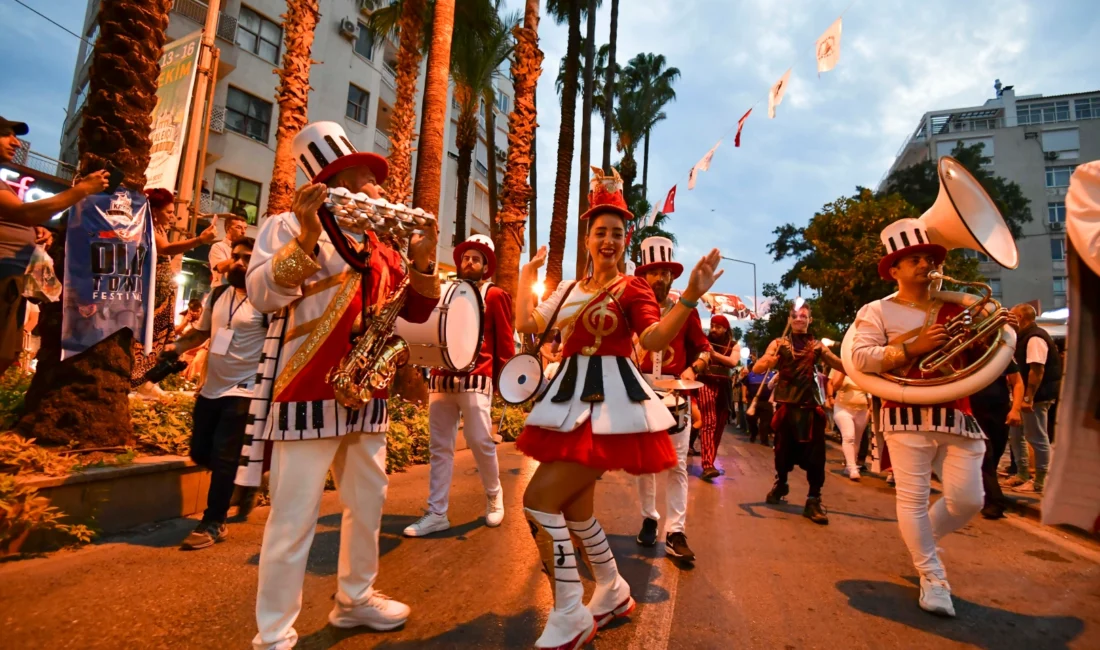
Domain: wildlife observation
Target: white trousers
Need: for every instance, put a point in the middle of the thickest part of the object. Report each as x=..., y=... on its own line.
x=676, y=493
x=851, y=423
x=443, y=412
x=958, y=462
x=298, y=470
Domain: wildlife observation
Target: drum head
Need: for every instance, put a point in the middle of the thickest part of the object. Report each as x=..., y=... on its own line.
x=520, y=378
x=462, y=328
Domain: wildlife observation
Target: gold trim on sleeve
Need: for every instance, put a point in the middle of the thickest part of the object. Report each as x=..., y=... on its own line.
x=893, y=357
x=290, y=266
x=425, y=284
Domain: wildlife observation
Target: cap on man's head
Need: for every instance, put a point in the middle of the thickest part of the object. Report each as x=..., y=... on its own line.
x=18, y=128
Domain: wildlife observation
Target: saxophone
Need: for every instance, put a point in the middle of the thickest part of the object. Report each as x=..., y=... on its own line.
x=376, y=356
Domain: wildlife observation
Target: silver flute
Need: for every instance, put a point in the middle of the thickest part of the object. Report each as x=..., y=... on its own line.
x=359, y=213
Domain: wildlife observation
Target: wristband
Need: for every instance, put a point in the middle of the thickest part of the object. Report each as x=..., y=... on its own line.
x=690, y=304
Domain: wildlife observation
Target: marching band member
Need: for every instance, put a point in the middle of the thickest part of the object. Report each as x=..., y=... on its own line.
x=685, y=357
x=469, y=394
x=297, y=273
x=799, y=420
x=716, y=398
x=598, y=414
x=1071, y=489
x=889, y=335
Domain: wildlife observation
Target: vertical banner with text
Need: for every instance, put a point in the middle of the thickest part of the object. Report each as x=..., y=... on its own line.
x=178, y=65
x=110, y=255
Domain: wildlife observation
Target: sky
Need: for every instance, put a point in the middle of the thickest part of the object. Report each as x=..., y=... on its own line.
x=898, y=60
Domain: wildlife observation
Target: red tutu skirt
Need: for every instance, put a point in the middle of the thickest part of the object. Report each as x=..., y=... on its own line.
x=648, y=452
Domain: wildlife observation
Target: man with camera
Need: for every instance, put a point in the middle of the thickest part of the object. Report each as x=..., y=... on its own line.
x=236, y=333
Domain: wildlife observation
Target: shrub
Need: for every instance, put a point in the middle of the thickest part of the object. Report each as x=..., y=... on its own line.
x=407, y=441
x=13, y=386
x=514, y=417
x=23, y=512
x=19, y=455
x=163, y=426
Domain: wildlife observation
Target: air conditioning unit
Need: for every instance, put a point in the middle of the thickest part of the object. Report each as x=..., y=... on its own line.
x=1051, y=155
x=349, y=29
x=1057, y=225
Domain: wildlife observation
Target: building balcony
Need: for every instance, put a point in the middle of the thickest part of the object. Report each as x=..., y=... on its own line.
x=381, y=142
x=196, y=11
x=46, y=165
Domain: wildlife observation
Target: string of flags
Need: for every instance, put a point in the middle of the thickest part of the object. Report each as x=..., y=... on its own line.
x=827, y=53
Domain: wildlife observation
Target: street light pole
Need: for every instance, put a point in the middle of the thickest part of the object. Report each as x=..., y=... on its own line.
x=755, y=300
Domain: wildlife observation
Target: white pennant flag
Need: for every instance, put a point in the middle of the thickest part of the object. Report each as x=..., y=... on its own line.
x=702, y=166
x=775, y=95
x=828, y=48
x=653, y=216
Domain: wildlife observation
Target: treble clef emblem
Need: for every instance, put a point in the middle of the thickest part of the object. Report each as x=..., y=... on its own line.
x=600, y=321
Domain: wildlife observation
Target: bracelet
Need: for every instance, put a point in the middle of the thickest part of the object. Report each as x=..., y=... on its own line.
x=690, y=304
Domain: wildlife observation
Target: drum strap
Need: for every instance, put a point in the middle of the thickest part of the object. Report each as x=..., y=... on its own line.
x=553, y=319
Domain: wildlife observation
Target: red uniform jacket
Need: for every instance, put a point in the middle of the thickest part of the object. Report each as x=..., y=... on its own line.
x=605, y=326
x=497, y=343
x=689, y=343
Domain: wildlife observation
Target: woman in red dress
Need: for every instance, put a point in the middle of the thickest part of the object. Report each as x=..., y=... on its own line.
x=597, y=414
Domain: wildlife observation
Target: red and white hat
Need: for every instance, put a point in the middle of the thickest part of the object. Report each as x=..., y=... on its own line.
x=606, y=196
x=657, y=255
x=322, y=149
x=483, y=245
x=906, y=237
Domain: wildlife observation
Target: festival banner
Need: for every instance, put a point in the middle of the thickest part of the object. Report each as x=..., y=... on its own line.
x=828, y=48
x=727, y=304
x=702, y=166
x=110, y=255
x=670, y=201
x=740, y=125
x=775, y=95
x=178, y=66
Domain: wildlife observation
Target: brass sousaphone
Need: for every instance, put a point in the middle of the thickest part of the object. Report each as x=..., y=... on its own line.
x=963, y=216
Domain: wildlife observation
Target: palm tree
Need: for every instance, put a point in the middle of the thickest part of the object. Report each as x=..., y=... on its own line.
x=568, y=11
x=299, y=23
x=647, y=76
x=533, y=221
x=429, y=160
x=84, y=399
x=477, y=53
x=407, y=18
x=629, y=122
x=610, y=86
x=586, y=135
x=515, y=192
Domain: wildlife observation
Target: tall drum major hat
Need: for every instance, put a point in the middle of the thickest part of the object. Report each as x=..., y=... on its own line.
x=606, y=196
x=657, y=255
x=483, y=245
x=906, y=237
x=322, y=149
x=1083, y=213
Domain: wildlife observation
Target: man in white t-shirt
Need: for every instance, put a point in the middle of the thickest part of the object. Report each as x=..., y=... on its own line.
x=1040, y=364
x=221, y=252
x=236, y=333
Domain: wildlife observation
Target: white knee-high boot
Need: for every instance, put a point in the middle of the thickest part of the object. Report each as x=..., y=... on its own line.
x=570, y=624
x=611, y=598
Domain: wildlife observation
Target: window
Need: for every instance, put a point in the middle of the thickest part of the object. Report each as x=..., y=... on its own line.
x=364, y=42
x=503, y=103
x=1060, y=285
x=232, y=193
x=1056, y=212
x=1044, y=113
x=93, y=35
x=358, y=104
x=1058, y=249
x=1059, y=176
x=247, y=115
x=1087, y=108
x=995, y=287
x=976, y=255
x=259, y=35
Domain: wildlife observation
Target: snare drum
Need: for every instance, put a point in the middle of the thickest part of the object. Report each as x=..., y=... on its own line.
x=451, y=337
x=679, y=405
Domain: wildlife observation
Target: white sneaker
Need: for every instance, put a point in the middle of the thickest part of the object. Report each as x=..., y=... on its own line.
x=853, y=474
x=428, y=524
x=935, y=596
x=494, y=510
x=380, y=612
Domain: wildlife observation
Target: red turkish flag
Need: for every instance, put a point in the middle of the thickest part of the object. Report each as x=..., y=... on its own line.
x=740, y=125
x=670, y=201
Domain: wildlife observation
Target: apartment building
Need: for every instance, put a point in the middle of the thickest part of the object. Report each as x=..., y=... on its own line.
x=352, y=83
x=1035, y=141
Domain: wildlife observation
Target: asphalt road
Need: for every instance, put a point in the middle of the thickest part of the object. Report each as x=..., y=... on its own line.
x=765, y=576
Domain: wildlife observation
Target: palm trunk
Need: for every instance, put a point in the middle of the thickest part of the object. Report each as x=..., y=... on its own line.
x=429, y=159
x=533, y=220
x=609, y=87
x=467, y=141
x=84, y=400
x=491, y=146
x=586, y=137
x=403, y=122
x=559, y=219
x=515, y=192
x=299, y=24
x=645, y=165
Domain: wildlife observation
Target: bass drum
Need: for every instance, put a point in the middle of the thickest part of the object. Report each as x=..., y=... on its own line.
x=451, y=337
x=520, y=378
